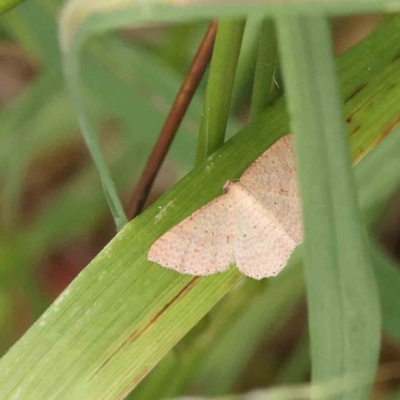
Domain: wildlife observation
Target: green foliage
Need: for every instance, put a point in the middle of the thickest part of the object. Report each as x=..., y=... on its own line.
x=6, y=5
x=265, y=87
x=122, y=315
x=214, y=118
x=342, y=298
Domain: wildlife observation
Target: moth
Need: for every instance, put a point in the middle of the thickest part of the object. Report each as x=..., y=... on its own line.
x=256, y=223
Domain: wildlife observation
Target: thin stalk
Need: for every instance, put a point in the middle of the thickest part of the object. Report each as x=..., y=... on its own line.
x=265, y=86
x=343, y=303
x=174, y=119
x=219, y=87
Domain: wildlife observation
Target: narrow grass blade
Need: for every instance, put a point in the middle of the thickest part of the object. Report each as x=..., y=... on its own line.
x=265, y=86
x=219, y=87
x=79, y=18
x=247, y=63
x=6, y=5
x=72, y=74
x=343, y=304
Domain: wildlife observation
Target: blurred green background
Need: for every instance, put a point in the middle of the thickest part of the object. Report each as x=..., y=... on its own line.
x=54, y=217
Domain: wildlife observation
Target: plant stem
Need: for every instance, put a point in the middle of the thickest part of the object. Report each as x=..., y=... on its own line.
x=265, y=87
x=174, y=119
x=219, y=87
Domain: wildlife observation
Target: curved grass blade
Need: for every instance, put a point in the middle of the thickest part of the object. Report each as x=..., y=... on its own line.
x=80, y=19
x=72, y=74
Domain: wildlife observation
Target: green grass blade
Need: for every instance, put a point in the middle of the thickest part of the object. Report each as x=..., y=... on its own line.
x=96, y=16
x=231, y=353
x=160, y=383
x=265, y=87
x=247, y=61
x=344, y=315
x=6, y=5
x=221, y=336
x=219, y=87
x=378, y=177
x=117, y=76
x=388, y=278
x=373, y=190
x=72, y=75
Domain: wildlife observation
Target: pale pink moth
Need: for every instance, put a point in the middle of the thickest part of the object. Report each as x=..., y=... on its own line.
x=256, y=223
